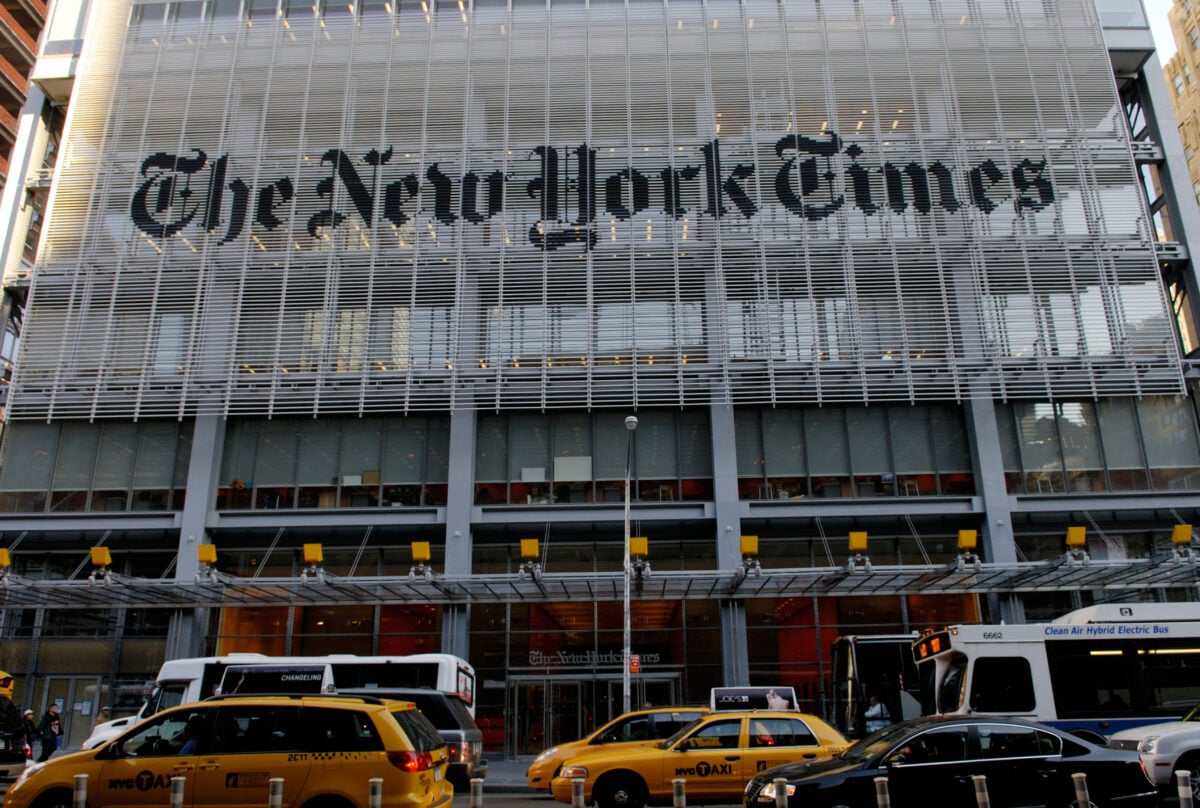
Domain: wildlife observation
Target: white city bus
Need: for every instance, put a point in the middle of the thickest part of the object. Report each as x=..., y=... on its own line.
x=1093, y=672
x=180, y=681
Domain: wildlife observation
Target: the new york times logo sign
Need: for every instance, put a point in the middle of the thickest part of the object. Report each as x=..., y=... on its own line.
x=813, y=178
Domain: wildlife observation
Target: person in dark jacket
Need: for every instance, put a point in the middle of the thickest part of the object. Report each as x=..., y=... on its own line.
x=12, y=728
x=30, y=731
x=49, y=730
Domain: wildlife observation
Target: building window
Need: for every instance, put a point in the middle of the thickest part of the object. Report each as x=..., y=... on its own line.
x=579, y=457
x=334, y=463
x=1194, y=38
x=1117, y=444
x=1187, y=72
x=79, y=466
x=801, y=452
x=1178, y=84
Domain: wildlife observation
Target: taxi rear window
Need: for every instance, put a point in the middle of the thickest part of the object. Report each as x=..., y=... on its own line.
x=420, y=732
x=330, y=730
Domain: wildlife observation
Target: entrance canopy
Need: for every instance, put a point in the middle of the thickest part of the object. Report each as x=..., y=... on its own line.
x=215, y=589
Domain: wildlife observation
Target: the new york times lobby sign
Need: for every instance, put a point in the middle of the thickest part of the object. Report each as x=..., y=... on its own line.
x=570, y=190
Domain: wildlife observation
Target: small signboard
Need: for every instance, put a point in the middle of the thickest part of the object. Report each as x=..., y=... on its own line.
x=269, y=679
x=753, y=698
x=635, y=663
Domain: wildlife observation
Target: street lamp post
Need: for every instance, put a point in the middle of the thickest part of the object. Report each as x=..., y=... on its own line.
x=630, y=424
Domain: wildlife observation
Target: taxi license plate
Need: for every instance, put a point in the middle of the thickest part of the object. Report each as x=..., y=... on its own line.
x=437, y=773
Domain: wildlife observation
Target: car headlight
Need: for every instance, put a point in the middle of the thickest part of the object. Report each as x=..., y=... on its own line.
x=768, y=792
x=548, y=753
x=1148, y=744
x=573, y=772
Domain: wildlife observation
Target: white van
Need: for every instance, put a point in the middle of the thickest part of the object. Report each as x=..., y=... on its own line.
x=179, y=681
x=182, y=681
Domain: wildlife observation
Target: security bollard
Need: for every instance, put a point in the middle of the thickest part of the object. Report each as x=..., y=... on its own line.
x=1081, y=790
x=679, y=793
x=882, y=798
x=178, y=786
x=981, y=795
x=275, y=794
x=577, y=793
x=1183, y=783
x=780, y=792
x=476, y=792
x=81, y=791
x=375, y=792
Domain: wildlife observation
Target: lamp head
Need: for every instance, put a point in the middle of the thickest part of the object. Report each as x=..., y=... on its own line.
x=631, y=422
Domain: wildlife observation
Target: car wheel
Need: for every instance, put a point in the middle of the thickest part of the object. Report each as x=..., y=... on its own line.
x=55, y=798
x=327, y=801
x=1189, y=763
x=620, y=791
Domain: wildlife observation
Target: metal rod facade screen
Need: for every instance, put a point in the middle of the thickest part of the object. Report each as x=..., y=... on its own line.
x=332, y=208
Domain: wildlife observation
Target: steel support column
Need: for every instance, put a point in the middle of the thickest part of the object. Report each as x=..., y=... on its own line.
x=460, y=497
x=735, y=665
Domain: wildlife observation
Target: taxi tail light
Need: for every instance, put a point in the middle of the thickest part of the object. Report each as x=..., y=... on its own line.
x=411, y=761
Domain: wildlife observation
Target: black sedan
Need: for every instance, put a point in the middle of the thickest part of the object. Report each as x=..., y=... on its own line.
x=930, y=761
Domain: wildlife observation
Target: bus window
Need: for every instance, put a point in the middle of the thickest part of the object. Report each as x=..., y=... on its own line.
x=1002, y=685
x=1085, y=675
x=1172, y=675
x=950, y=694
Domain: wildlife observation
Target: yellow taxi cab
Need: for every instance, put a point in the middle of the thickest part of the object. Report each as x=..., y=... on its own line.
x=716, y=755
x=326, y=749
x=633, y=728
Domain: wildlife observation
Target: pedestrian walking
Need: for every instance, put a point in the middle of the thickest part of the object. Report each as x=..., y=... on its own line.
x=102, y=716
x=30, y=732
x=49, y=730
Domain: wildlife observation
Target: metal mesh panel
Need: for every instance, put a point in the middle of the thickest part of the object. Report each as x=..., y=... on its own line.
x=419, y=206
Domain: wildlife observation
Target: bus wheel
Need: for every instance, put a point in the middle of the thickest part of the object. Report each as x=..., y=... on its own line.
x=1189, y=763
x=620, y=791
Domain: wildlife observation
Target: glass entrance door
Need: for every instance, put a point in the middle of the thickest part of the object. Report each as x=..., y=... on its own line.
x=643, y=693
x=545, y=711
x=548, y=710
x=77, y=706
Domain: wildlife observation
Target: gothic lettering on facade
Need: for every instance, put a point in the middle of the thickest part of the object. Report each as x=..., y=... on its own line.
x=815, y=178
